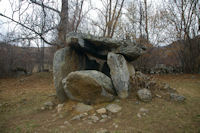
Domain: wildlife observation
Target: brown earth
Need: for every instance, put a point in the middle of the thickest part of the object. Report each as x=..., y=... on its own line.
x=21, y=100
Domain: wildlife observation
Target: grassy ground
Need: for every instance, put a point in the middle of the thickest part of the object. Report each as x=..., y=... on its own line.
x=21, y=99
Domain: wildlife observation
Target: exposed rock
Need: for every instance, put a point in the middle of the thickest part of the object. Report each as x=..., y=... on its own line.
x=42, y=108
x=99, y=46
x=119, y=73
x=83, y=108
x=130, y=50
x=101, y=111
x=114, y=108
x=177, y=97
x=117, y=100
x=102, y=120
x=143, y=110
x=78, y=117
x=115, y=125
x=67, y=123
x=94, y=118
x=65, y=61
x=89, y=86
x=104, y=116
x=62, y=127
x=131, y=70
x=59, y=107
x=49, y=103
x=144, y=95
x=139, y=115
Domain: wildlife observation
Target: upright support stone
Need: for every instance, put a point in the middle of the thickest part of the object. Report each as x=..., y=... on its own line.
x=119, y=73
x=65, y=61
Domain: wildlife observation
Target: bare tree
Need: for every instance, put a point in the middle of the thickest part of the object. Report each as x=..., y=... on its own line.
x=110, y=13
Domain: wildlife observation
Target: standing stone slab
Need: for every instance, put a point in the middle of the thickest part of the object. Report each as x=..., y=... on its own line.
x=89, y=86
x=119, y=73
x=65, y=61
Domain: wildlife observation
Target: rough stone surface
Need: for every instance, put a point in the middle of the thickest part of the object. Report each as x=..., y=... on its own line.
x=130, y=50
x=100, y=46
x=67, y=123
x=59, y=107
x=143, y=110
x=78, y=117
x=94, y=118
x=104, y=116
x=144, y=95
x=80, y=107
x=114, y=108
x=65, y=61
x=101, y=111
x=119, y=73
x=176, y=97
x=89, y=87
x=48, y=104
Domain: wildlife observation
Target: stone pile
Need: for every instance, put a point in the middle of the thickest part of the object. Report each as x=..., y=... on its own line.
x=94, y=70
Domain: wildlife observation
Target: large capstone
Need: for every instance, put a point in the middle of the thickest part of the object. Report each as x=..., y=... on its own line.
x=119, y=73
x=65, y=61
x=89, y=86
x=101, y=46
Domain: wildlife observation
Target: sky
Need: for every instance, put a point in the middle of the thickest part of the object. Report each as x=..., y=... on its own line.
x=5, y=8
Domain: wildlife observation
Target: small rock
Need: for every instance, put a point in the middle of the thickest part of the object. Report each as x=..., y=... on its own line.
x=115, y=125
x=166, y=87
x=48, y=104
x=104, y=116
x=137, y=102
x=144, y=95
x=177, y=97
x=62, y=127
x=114, y=108
x=101, y=111
x=102, y=120
x=78, y=117
x=159, y=96
x=42, y=108
x=138, y=115
x=59, y=107
x=83, y=114
x=103, y=131
x=143, y=110
x=67, y=123
x=117, y=100
x=94, y=118
x=83, y=108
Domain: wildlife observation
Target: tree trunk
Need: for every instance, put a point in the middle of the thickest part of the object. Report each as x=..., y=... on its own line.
x=64, y=23
x=146, y=19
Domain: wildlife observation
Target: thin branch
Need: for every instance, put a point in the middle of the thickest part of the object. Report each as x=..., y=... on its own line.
x=39, y=34
x=42, y=5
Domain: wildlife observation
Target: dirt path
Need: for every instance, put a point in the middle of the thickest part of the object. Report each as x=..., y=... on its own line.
x=21, y=100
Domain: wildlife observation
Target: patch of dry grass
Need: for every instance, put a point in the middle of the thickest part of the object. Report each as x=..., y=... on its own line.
x=22, y=97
